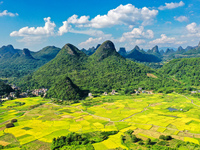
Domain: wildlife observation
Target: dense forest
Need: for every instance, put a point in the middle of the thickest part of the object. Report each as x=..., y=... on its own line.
x=186, y=70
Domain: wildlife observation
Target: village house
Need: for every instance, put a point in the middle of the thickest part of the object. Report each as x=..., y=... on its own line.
x=38, y=92
x=89, y=94
x=105, y=93
x=12, y=94
x=139, y=89
x=14, y=87
x=24, y=94
x=193, y=92
x=113, y=92
x=137, y=92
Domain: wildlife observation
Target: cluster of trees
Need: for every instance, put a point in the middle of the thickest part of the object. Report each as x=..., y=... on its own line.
x=5, y=88
x=129, y=138
x=11, y=124
x=74, y=140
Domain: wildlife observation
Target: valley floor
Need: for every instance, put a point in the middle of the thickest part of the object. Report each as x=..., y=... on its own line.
x=150, y=116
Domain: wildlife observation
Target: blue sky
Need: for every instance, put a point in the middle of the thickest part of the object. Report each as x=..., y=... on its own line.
x=36, y=24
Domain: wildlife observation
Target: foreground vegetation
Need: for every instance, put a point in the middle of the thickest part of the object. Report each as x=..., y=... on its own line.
x=40, y=122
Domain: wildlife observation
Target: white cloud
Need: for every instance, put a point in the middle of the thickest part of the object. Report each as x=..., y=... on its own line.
x=181, y=19
x=171, y=5
x=163, y=40
x=35, y=34
x=138, y=42
x=122, y=15
x=75, y=20
x=192, y=28
x=6, y=13
x=90, y=32
x=94, y=41
x=1, y=2
x=64, y=28
x=168, y=22
x=167, y=41
x=137, y=33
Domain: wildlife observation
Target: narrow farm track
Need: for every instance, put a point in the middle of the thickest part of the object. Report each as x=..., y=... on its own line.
x=95, y=115
x=137, y=113
x=189, y=99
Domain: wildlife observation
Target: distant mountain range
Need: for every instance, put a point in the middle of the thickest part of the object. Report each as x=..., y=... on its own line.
x=17, y=63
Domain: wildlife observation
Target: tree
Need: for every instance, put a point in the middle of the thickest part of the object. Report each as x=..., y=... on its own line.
x=148, y=141
x=10, y=125
x=162, y=137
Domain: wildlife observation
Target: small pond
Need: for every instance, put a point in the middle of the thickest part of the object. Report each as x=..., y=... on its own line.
x=172, y=109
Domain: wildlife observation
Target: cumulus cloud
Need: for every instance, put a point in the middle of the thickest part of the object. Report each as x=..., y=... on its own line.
x=94, y=41
x=171, y=5
x=181, y=19
x=64, y=28
x=6, y=13
x=192, y=28
x=137, y=33
x=75, y=20
x=166, y=41
x=31, y=34
x=138, y=42
x=163, y=39
x=122, y=15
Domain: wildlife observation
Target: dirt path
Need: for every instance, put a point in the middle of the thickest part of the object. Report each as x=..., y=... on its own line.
x=192, y=102
x=144, y=109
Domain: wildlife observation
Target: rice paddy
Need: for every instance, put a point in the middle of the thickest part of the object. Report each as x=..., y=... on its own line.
x=148, y=115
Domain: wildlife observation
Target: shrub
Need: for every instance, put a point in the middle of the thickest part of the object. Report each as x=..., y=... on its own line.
x=162, y=143
x=10, y=125
x=148, y=141
x=134, y=139
x=13, y=120
x=141, y=143
x=168, y=137
x=162, y=137
x=129, y=131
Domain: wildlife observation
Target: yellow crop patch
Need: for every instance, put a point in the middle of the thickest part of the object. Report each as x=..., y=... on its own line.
x=188, y=139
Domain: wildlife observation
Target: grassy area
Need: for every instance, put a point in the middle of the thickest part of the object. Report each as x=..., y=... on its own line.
x=39, y=121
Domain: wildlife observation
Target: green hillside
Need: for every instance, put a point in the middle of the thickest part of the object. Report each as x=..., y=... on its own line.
x=187, y=70
x=47, y=53
x=17, y=63
x=103, y=71
x=65, y=89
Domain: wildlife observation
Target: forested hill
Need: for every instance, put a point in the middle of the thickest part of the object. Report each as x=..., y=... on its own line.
x=17, y=63
x=103, y=71
x=186, y=69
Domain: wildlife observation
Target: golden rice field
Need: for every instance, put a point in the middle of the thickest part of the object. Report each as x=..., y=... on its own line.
x=148, y=115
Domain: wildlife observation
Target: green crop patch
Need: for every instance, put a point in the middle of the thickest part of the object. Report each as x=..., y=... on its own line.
x=23, y=136
x=27, y=128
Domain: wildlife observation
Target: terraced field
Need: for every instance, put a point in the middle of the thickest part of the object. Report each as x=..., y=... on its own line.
x=39, y=121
